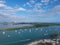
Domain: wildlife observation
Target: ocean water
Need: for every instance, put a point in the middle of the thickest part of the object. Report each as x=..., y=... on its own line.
x=25, y=36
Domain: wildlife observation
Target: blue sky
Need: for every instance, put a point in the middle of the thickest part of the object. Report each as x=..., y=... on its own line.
x=29, y=11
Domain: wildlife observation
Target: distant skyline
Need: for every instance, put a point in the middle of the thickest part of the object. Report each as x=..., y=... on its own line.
x=30, y=11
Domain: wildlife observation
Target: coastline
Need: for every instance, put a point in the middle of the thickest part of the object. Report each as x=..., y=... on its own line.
x=24, y=27
x=53, y=41
x=32, y=26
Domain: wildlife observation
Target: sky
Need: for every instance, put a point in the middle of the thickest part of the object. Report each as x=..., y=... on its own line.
x=30, y=11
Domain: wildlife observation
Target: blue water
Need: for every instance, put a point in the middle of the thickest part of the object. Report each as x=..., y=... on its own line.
x=25, y=36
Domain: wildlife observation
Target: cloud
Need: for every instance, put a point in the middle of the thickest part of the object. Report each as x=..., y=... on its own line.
x=21, y=9
x=9, y=17
x=8, y=13
x=2, y=5
x=45, y=0
x=6, y=8
x=45, y=13
x=32, y=1
x=1, y=1
x=52, y=12
x=56, y=9
x=9, y=8
x=38, y=5
x=28, y=4
x=36, y=12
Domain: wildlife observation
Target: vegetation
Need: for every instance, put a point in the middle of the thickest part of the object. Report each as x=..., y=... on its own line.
x=35, y=25
x=49, y=44
x=45, y=44
x=41, y=44
x=20, y=28
x=54, y=35
x=42, y=24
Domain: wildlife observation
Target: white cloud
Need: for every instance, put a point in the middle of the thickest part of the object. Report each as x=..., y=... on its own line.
x=56, y=9
x=51, y=12
x=45, y=0
x=1, y=1
x=8, y=13
x=32, y=1
x=2, y=5
x=28, y=4
x=21, y=9
x=36, y=11
x=10, y=17
x=41, y=13
x=8, y=8
x=38, y=5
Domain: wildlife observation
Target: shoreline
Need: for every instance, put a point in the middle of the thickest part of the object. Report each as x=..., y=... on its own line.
x=53, y=41
x=33, y=26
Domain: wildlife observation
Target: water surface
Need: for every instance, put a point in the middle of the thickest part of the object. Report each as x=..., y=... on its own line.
x=25, y=36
